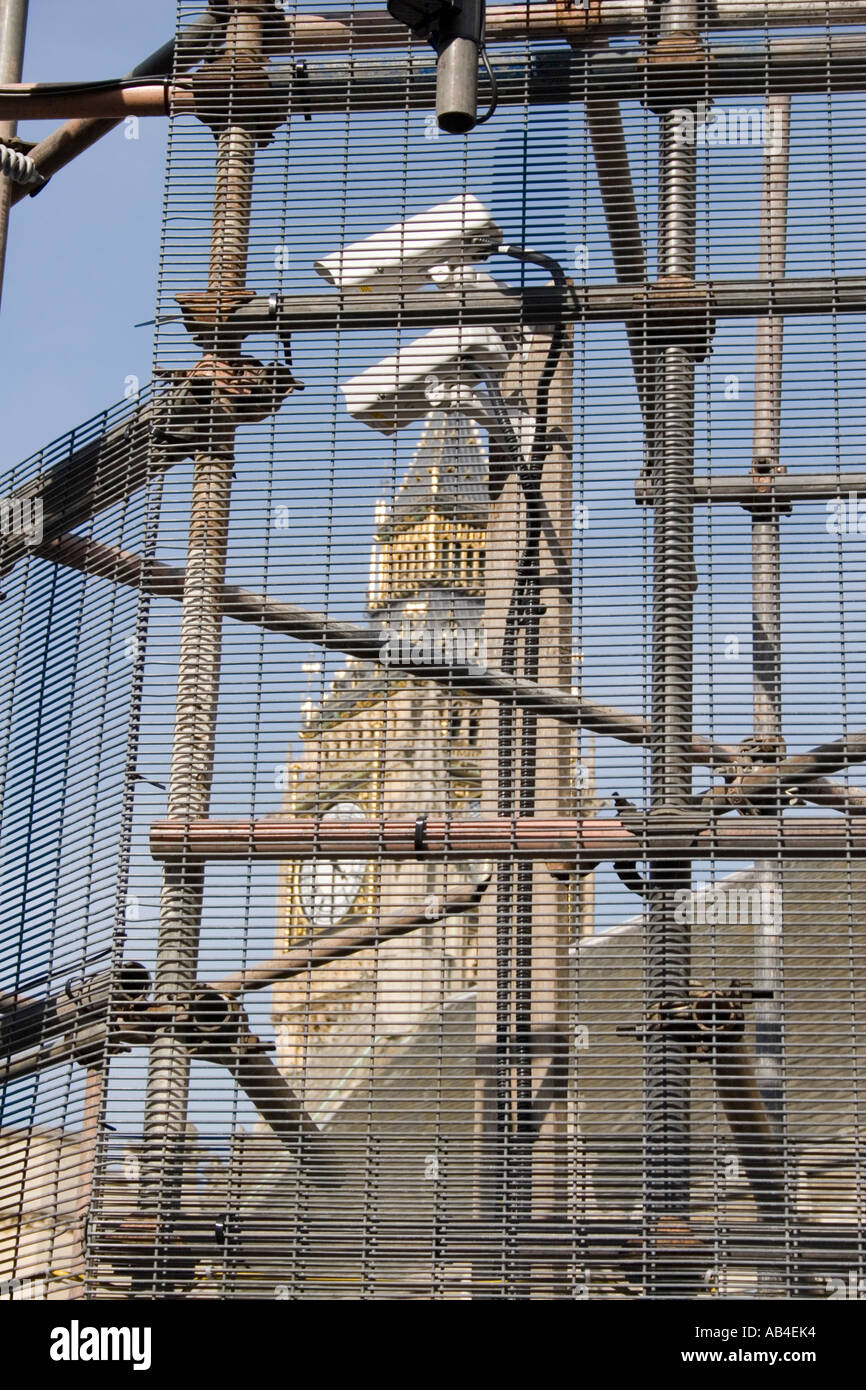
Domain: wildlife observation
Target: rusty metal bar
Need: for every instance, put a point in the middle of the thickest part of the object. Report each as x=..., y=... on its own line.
x=359, y=31
x=45, y=101
x=198, y=685
x=604, y=122
x=356, y=31
x=547, y=77
x=670, y=453
x=584, y=843
x=558, y=76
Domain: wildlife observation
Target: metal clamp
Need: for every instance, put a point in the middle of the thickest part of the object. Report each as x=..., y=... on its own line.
x=681, y=314
x=702, y=1021
x=677, y=68
x=237, y=91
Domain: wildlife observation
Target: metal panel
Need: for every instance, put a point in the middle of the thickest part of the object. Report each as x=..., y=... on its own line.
x=432, y=869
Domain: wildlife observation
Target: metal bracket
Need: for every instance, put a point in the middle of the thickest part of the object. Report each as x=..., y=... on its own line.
x=702, y=1021
x=206, y=314
x=237, y=90
x=754, y=754
x=763, y=473
x=218, y=395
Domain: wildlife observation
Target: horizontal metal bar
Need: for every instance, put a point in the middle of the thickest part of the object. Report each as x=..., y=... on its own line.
x=553, y=77
x=111, y=101
x=264, y=1233
x=773, y=489
x=357, y=31
x=703, y=299
x=586, y=843
x=547, y=77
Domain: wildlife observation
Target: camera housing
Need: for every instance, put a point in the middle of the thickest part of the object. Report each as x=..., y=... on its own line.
x=400, y=258
x=423, y=17
x=402, y=388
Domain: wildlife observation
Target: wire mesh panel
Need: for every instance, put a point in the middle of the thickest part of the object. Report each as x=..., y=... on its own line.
x=436, y=698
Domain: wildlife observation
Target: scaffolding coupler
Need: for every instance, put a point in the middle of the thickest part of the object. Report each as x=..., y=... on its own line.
x=676, y=70
x=680, y=313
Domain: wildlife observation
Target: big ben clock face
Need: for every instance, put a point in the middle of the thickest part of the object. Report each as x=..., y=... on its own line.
x=327, y=888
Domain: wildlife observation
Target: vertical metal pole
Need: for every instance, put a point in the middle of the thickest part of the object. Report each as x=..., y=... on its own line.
x=523, y=934
x=198, y=688
x=668, y=944
x=13, y=27
x=766, y=602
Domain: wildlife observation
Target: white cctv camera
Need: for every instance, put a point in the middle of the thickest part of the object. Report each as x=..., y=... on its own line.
x=463, y=277
x=400, y=258
x=466, y=279
x=403, y=388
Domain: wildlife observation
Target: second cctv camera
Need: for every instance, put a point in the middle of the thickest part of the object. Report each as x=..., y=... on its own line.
x=402, y=388
x=456, y=232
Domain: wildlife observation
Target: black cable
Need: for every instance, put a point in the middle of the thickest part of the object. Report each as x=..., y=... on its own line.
x=494, y=86
x=69, y=89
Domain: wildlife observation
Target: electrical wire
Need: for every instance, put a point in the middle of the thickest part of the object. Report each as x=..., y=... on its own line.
x=494, y=87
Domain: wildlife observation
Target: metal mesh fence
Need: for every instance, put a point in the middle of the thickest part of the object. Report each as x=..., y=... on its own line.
x=431, y=867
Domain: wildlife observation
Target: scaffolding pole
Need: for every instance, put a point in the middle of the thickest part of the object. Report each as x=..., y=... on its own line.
x=667, y=1131
x=766, y=602
x=357, y=30
x=546, y=77
x=192, y=757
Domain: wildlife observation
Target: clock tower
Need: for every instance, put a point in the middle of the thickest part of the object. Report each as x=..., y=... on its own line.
x=380, y=744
